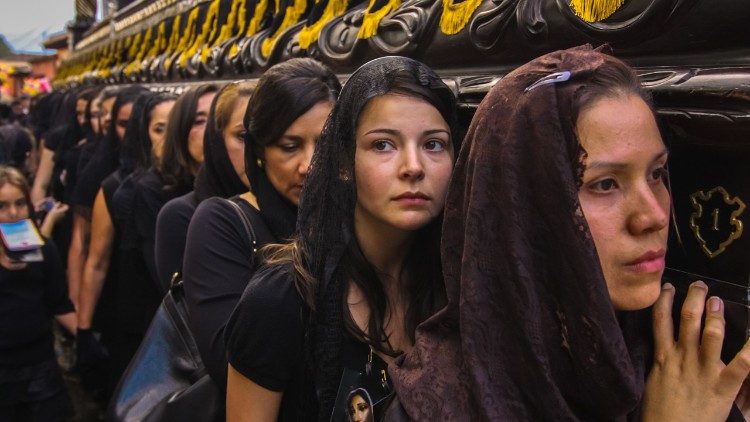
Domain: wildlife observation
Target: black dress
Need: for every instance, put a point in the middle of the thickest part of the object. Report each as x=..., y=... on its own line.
x=217, y=267
x=30, y=380
x=171, y=232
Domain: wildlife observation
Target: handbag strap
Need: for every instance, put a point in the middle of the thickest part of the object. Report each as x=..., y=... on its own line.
x=249, y=231
x=175, y=285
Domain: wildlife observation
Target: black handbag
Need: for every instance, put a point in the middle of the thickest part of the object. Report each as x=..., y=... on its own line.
x=166, y=379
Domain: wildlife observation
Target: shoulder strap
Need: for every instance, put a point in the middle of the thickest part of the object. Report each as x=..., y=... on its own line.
x=248, y=226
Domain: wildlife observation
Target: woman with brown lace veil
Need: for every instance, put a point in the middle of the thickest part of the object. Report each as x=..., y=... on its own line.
x=553, y=249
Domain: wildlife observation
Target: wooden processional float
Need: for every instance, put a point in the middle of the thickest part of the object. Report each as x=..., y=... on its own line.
x=694, y=55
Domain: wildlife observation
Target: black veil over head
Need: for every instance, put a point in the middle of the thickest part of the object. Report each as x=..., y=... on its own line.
x=216, y=176
x=326, y=213
x=106, y=158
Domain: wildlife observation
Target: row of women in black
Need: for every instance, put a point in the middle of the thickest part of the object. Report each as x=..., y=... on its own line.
x=332, y=307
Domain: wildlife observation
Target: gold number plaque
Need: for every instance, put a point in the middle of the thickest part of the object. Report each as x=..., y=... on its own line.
x=699, y=199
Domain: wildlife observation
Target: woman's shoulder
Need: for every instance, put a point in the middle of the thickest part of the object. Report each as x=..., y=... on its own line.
x=272, y=291
x=182, y=206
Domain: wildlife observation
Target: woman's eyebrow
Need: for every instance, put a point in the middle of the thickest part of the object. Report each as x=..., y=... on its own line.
x=618, y=165
x=398, y=132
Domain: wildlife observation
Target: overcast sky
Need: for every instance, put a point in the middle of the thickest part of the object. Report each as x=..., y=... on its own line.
x=25, y=22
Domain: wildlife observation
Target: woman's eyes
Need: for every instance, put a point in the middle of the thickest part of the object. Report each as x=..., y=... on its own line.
x=603, y=185
x=199, y=122
x=383, y=146
x=659, y=174
x=288, y=147
x=435, y=145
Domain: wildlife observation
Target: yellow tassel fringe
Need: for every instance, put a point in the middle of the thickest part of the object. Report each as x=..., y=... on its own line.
x=372, y=18
x=310, y=32
x=595, y=10
x=456, y=15
x=254, y=25
x=292, y=15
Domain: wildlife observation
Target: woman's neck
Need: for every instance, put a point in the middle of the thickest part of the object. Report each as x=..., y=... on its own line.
x=383, y=246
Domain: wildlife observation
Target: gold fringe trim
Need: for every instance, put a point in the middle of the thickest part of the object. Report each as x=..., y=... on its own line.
x=595, y=10
x=174, y=36
x=292, y=15
x=188, y=37
x=310, y=33
x=208, y=31
x=161, y=41
x=136, y=61
x=372, y=18
x=456, y=15
x=226, y=32
x=260, y=10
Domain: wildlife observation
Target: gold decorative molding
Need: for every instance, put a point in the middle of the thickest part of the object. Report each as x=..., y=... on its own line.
x=701, y=196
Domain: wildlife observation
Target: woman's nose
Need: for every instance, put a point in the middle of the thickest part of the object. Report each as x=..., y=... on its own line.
x=650, y=211
x=411, y=164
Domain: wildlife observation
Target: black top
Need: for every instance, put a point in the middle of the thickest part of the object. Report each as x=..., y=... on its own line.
x=28, y=299
x=171, y=232
x=216, y=269
x=265, y=342
x=265, y=338
x=150, y=197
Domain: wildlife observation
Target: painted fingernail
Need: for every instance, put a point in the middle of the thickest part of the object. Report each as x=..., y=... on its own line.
x=700, y=284
x=667, y=286
x=714, y=304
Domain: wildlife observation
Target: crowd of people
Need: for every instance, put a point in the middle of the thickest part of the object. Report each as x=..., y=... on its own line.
x=358, y=253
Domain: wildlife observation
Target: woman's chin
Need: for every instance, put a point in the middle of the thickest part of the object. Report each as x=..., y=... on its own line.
x=638, y=297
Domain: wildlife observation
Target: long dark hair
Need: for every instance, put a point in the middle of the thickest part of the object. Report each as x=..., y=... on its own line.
x=177, y=166
x=326, y=256
x=284, y=93
x=136, y=154
x=216, y=176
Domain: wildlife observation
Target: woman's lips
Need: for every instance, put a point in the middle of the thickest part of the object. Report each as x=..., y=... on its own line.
x=650, y=262
x=412, y=198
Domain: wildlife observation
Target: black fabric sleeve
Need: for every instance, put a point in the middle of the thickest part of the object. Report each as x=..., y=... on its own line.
x=266, y=331
x=216, y=269
x=56, y=297
x=171, y=232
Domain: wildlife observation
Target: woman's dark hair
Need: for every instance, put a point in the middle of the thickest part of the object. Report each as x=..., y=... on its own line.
x=217, y=176
x=284, y=93
x=65, y=131
x=43, y=111
x=136, y=154
x=16, y=144
x=106, y=158
x=177, y=166
x=424, y=284
x=613, y=79
x=88, y=95
x=326, y=256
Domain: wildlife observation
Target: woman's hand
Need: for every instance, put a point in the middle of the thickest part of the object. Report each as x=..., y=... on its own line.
x=57, y=212
x=688, y=380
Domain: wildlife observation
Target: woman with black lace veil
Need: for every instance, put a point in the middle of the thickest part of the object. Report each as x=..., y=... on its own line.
x=221, y=174
x=345, y=296
x=283, y=121
x=553, y=248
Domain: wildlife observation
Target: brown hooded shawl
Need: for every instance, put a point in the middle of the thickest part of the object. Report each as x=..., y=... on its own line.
x=529, y=332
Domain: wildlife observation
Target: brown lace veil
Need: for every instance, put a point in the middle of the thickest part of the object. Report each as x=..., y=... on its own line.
x=529, y=332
